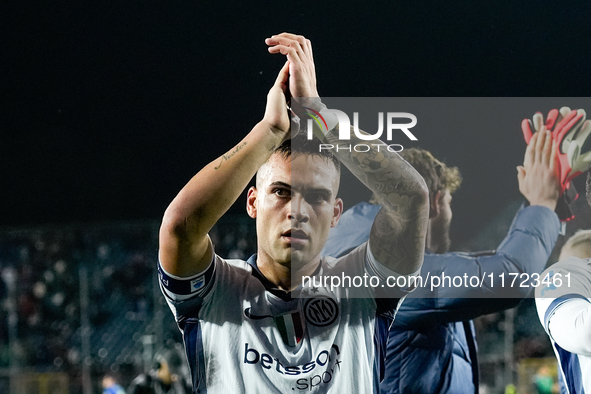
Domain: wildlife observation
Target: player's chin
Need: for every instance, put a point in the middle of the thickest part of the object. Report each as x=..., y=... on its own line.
x=298, y=258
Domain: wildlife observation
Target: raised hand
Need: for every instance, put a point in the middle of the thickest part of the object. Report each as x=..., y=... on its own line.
x=538, y=177
x=302, y=73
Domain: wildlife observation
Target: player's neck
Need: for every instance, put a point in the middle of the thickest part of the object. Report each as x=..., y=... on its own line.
x=281, y=274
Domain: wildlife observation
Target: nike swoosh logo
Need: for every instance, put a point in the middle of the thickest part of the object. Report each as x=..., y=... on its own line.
x=255, y=317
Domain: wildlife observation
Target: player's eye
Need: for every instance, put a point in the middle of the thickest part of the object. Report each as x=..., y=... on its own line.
x=281, y=192
x=316, y=197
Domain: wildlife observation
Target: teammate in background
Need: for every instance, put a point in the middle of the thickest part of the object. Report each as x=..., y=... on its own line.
x=431, y=345
x=442, y=181
x=243, y=331
x=579, y=245
x=110, y=385
x=169, y=375
x=563, y=302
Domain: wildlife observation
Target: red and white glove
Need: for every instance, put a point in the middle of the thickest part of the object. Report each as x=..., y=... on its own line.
x=570, y=129
x=574, y=162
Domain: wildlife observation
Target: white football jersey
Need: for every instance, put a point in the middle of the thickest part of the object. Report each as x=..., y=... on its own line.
x=563, y=301
x=244, y=336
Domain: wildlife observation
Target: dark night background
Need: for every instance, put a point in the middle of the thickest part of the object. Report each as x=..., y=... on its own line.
x=110, y=107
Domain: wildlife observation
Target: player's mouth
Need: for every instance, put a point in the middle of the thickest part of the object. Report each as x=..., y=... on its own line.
x=295, y=238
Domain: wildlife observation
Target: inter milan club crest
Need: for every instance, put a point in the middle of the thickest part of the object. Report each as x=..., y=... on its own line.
x=321, y=311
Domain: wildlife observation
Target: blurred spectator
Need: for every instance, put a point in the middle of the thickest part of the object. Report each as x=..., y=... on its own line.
x=110, y=385
x=170, y=374
x=544, y=382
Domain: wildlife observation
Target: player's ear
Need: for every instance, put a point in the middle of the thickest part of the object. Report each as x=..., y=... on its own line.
x=251, y=202
x=434, y=204
x=337, y=211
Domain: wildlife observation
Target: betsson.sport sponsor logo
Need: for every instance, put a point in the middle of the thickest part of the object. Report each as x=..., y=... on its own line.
x=328, y=359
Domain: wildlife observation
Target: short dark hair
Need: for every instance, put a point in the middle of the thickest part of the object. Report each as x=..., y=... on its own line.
x=300, y=145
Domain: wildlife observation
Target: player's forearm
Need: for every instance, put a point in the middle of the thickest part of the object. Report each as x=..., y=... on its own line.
x=398, y=235
x=507, y=275
x=211, y=192
x=524, y=252
x=384, y=172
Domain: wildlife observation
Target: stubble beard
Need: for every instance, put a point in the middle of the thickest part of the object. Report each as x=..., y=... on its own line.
x=440, y=232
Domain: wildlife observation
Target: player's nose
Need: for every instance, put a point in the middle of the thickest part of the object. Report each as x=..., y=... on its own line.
x=298, y=209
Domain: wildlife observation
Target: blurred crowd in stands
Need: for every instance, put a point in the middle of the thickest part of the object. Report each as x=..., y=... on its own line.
x=40, y=280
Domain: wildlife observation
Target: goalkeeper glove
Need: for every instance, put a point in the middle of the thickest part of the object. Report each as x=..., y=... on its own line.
x=570, y=130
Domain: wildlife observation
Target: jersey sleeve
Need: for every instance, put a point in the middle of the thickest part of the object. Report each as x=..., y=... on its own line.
x=185, y=295
x=563, y=304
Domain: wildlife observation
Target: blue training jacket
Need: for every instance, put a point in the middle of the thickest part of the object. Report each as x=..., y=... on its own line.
x=431, y=345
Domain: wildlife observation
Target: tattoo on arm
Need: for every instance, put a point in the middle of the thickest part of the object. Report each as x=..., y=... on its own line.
x=398, y=234
x=402, y=248
x=228, y=156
